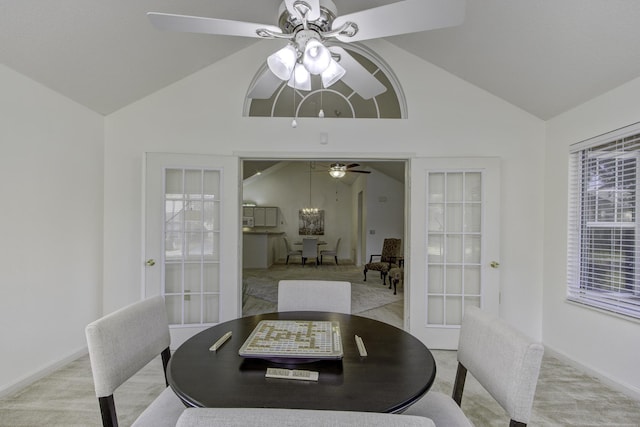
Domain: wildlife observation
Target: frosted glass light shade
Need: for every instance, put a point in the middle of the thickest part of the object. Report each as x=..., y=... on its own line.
x=337, y=170
x=300, y=79
x=337, y=173
x=282, y=62
x=332, y=74
x=316, y=57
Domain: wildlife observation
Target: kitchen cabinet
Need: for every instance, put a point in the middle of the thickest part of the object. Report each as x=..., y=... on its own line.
x=263, y=216
x=260, y=249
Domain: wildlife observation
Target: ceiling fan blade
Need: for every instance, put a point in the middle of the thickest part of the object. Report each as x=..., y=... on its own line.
x=357, y=171
x=408, y=16
x=357, y=77
x=198, y=24
x=353, y=165
x=312, y=15
x=265, y=85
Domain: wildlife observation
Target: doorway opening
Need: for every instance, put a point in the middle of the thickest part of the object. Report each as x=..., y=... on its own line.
x=361, y=208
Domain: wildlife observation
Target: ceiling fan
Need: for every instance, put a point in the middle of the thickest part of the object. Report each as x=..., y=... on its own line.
x=338, y=170
x=313, y=29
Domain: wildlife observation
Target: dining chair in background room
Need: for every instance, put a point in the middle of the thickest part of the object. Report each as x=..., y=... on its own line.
x=276, y=417
x=389, y=258
x=290, y=250
x=309, y=250
x=331, y=252
x=504, y=361
x=314, y=295
x=122, y=343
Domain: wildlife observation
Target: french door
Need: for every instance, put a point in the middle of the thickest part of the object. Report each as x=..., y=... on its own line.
x=455, y=244
x=192, y=239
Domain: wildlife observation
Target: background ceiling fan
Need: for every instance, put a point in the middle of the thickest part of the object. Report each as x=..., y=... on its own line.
x=339, y=169
x=313, y=31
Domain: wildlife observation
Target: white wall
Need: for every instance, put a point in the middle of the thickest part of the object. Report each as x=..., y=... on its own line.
x=447, y=117
x=51, y=176
x=385, y=212
x=607, y=345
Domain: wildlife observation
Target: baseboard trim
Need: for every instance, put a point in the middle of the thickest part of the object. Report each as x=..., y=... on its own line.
x=626, y=389
x=27, y=380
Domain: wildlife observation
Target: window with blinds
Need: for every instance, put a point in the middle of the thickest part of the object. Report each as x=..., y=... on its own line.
x=604, y=254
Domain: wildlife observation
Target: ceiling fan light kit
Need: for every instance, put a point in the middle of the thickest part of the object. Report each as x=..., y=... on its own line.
x=306, y=47
x=337, y=170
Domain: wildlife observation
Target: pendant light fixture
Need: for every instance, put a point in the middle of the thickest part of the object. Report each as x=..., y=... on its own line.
x=309, y=209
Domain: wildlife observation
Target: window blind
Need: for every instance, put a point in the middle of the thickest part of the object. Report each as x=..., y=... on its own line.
x=604, y=254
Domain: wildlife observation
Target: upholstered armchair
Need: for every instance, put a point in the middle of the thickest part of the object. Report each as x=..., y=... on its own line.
x=389, y=258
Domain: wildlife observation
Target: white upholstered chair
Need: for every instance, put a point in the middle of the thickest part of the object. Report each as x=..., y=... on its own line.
x=290, y=250
x=309, y=250
x=122, y=343
x=331, y=252
x=268, y=417
x=314, y=295
x=505, y=363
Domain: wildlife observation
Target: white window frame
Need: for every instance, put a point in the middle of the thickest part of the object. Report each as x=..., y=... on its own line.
x=585, y=250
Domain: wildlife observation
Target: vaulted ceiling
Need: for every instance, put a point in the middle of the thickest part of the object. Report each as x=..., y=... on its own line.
x=544, y=56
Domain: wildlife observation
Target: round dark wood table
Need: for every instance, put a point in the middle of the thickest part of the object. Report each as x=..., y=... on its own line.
x=397, y=371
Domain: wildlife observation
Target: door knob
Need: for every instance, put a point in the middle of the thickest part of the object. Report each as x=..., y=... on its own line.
x=151, y=262
x=494, y=264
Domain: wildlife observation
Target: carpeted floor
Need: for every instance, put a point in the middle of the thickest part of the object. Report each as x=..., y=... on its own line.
x=263, y=285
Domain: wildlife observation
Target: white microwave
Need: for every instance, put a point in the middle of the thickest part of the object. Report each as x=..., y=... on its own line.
x=247, y=221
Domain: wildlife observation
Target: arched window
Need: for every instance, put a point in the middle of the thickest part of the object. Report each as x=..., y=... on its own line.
x=336, y=101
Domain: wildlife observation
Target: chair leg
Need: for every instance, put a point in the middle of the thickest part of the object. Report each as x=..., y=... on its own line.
x=336, y=257
x=287, y=260
x=320, y=259
x=108, y=411
x=365, y=274
x=458, y=385
x=166, y=355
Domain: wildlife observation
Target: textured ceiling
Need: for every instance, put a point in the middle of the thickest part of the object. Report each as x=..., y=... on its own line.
x=544, y=56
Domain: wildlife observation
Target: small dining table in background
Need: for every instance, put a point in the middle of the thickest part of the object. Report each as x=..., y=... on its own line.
x=319, y=243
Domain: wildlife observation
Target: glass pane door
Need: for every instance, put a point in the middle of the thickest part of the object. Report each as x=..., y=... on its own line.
x=191, y=274
x=454, y=245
